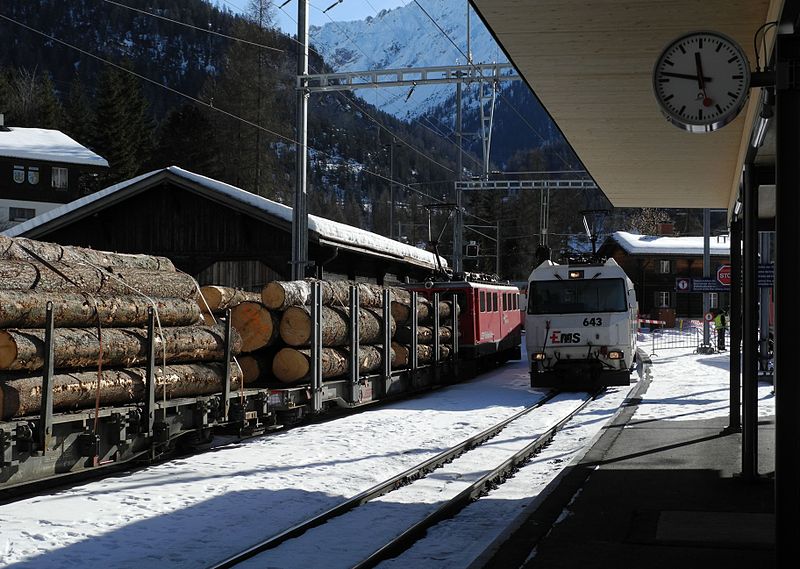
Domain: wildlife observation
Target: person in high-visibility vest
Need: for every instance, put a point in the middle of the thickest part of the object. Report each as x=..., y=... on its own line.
x=719, y=325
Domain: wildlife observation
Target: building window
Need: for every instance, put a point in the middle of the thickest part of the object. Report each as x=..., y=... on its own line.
x=663, y=299
x=19, y=174
x=664, y=267
x=33, y=175
x=21, y=213
x=713, y=300
x=59, y=178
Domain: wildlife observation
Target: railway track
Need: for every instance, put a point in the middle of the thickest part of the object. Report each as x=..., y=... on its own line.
x=524, y=441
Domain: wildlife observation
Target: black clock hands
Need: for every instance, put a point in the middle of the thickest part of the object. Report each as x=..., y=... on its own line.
x=701, y=83
x=684, y=76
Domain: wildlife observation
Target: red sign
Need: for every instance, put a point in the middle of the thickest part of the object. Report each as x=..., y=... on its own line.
x=724, y=275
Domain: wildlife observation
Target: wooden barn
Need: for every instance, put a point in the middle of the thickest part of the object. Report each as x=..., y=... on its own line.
x=655, y=262
x=219, y=233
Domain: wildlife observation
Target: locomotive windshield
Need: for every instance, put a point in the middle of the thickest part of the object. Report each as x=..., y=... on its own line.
x=577, y=296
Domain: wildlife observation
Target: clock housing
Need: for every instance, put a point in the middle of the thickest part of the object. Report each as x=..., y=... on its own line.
x=701, y=81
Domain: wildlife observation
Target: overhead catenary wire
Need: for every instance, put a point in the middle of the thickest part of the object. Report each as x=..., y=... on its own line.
x=366, y=55
x=179, y=23
x=500, y=93
x=201, y=102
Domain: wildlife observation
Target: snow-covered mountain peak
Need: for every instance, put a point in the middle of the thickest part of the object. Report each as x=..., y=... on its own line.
x=406, y=37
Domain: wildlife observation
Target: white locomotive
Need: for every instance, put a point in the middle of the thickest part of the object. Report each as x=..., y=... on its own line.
x=581, y=324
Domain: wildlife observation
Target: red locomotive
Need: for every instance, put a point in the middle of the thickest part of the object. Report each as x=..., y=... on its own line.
x=490, y=319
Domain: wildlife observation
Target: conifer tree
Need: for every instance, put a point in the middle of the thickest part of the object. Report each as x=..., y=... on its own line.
x=79, y=114
x=123, y=128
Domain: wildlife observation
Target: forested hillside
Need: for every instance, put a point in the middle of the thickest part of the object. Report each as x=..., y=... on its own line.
x=139, y=83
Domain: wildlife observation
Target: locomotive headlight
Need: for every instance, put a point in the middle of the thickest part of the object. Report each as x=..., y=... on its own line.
x=576, y=274
x=538, y=356
x=615, y=355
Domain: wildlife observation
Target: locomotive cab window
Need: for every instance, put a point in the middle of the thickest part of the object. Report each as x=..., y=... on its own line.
x=483, y=301
x=571, y=297
x=494, y=302
x=505, y=301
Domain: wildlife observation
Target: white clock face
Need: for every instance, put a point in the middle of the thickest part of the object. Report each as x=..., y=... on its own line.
x=701, y=81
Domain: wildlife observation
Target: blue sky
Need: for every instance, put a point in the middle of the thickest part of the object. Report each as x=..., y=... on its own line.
x=345, y=11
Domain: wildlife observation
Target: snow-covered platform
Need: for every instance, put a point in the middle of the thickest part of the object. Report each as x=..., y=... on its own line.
x=661, y=487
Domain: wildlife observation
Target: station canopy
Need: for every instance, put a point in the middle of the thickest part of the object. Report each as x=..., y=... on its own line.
x=591, y=63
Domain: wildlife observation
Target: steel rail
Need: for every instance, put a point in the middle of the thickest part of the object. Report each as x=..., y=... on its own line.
x=450, y=508
x=414, y=473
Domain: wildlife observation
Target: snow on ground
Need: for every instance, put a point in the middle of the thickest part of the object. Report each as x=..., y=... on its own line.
x=380, y=520
x=685, y=386
x=200, y=509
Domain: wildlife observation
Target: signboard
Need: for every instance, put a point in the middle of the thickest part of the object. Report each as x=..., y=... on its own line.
x=766, y=275
x=683, y=285
x=709, y=284
x=708, y=317
x=724, y=275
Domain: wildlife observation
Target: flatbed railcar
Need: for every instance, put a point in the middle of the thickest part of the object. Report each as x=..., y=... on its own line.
x=581, y=324
x=79, y=443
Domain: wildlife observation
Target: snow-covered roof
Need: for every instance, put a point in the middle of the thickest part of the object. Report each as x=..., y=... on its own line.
x=663, y=245
x=329, y=232
x=45, y=144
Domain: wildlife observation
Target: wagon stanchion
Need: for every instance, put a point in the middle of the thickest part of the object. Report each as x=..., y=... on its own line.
x=150, y=388
x=387, y=341
x=414, y=339
x=436, y=342
x=316, y=346
x=354, y=344
x=226, y=385
x=46, y=419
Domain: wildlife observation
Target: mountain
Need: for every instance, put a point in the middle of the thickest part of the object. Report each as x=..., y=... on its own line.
x=406, y=37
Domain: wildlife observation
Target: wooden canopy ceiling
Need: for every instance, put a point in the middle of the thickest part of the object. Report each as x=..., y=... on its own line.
x=590, y=63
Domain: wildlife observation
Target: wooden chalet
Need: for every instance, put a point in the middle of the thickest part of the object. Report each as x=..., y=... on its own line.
x=40, y=169
x=655, y=263
x=221, y=234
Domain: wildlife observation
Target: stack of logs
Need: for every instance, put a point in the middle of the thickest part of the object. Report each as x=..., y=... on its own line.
x=100, y=346
x=276, y=332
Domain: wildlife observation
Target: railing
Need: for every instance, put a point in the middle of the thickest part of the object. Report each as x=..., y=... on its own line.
x=686, y=334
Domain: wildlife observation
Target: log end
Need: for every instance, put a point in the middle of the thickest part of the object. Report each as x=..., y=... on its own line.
x=254, y=323
x=295, y=326
x=290, y=365
x=251, y=371
x=8, y=350
x=273, y=296
x=212, y=296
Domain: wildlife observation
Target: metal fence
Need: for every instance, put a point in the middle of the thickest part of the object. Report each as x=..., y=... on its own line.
x=686, y=334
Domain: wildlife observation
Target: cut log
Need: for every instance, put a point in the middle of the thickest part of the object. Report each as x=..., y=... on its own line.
x=280, y=295
x=220, y=298
x=296, y=326
x=80, y=347
x=63, y=277
x=23, y=396
x=424, y=334
x=401, y=312
x=257, y=325
x=256, y=366
x=293, y=365
x=26, y=309
x=22, y=249
x=401, y=354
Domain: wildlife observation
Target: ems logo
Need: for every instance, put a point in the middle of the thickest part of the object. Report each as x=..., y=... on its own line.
x=566, y=338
